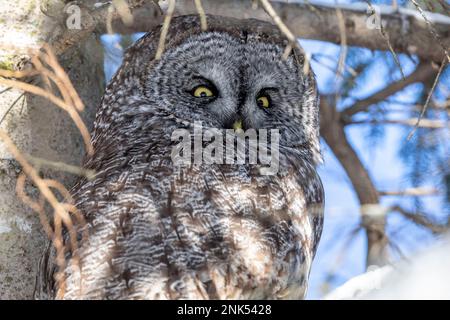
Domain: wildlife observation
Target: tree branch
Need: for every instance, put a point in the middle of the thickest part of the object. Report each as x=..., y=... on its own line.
x=332, y=130
x=102, y=17
x=421, y=191
x=405, y=28
x=421, y=219
x=423, y=72
x=424, y=123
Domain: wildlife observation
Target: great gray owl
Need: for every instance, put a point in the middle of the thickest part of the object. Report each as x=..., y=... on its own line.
x=158, y=230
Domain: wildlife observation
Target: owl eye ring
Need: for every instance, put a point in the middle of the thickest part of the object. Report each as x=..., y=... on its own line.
x=202, y=92
x=263, y=102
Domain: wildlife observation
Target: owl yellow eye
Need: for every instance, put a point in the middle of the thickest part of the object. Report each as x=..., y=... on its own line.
x=202, y=92
x=263, y=102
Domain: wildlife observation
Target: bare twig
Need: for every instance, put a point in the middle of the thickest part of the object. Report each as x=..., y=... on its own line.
x=201, y=13
x=343, y=53
x=60, y=166
x=72, y=102
x=425, y=106
x=45, y=64
x=424, y=123
x=436, y=105
x=424, y=191
x=394, y=55
x=348, y=68
x=57, y=101
x=165, y=29
x=432, y=29
x=391, y=49
x=61, y=215
x=422, y=72
x=36, y=206
x=51, y=59
x=283, y=28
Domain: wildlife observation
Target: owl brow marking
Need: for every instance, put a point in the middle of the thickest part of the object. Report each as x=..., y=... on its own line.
x=203, y=79
x=264, y=90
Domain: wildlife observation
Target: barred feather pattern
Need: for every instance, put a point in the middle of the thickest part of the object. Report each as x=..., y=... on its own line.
x=200, y=231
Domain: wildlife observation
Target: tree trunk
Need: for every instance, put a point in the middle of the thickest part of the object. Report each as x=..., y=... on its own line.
x=39, y=129
x=332, y=130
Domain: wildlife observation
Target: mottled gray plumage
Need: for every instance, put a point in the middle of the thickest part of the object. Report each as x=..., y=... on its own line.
x=159, y=231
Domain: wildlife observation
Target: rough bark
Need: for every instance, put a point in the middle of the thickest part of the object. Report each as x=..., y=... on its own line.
x=332, y=129
x=405, y=28
x=423, y=72
x=40, y=129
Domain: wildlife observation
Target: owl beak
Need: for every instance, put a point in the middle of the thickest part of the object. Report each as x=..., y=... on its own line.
x=237, y=126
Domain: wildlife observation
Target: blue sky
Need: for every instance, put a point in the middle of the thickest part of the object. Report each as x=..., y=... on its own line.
x=382, y=158
x=387, y=170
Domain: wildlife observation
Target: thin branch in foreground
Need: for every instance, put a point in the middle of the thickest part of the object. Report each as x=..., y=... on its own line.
x=36, y=206
x=425, y=106
x=283, y=28
x=46, y=65
x=343, y=52
x=71, y=103
x=109, y=18
x=436, y=105
x=165, y=29
x=388, y=42
x=432, y=29
x=61, y=214
x=422, y=72
x=201, y=13
x=391, y=49
x=60, y=166
x=57, y=101
x=67, y=86
x=348, y=68
x=424, y=123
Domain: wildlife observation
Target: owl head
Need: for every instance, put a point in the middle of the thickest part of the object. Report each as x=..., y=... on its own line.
x=232, y=73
